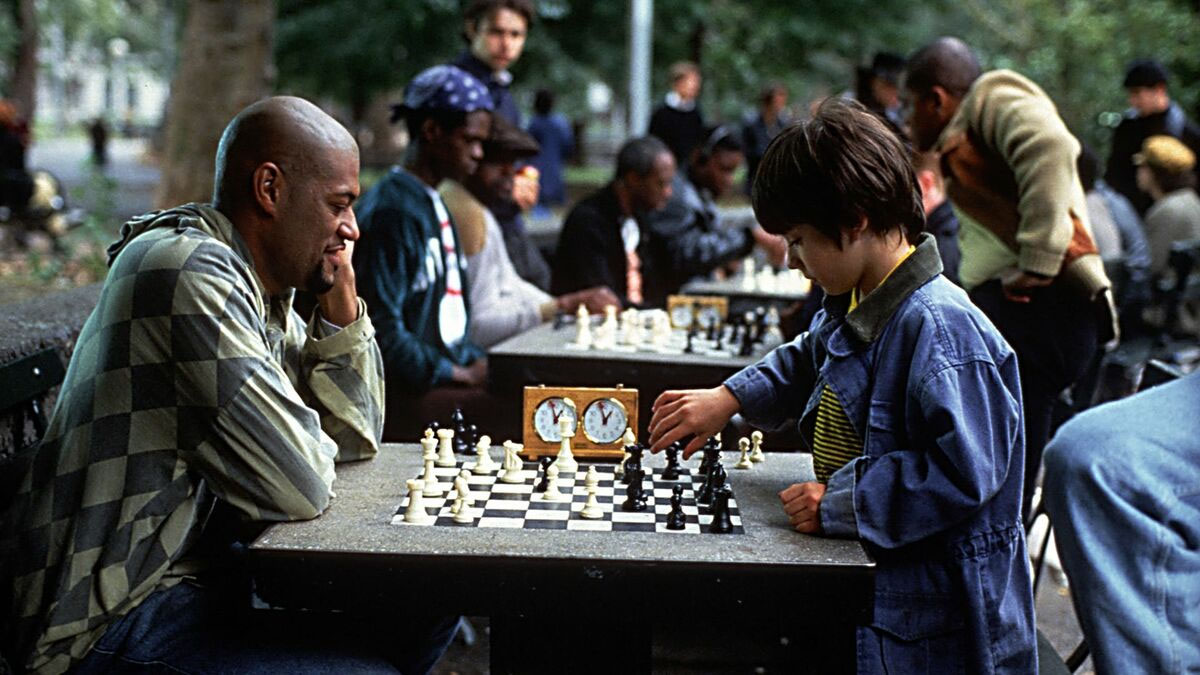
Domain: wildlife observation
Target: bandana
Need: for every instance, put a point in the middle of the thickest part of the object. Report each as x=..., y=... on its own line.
x=446, y=88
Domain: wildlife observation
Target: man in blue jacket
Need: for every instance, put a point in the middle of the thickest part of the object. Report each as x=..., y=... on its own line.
x=908, y=397
x=408, y=263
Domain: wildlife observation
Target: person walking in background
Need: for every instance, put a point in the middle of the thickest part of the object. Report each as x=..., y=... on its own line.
x=1165, y=172
x=1151, y=112
x=764, y=125
x=553, y=133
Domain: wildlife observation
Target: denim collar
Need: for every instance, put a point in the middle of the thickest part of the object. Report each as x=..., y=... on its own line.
x=868, y=320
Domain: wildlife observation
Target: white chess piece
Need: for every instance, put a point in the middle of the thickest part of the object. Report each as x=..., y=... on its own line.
x=566, y=460
x=756, y=452
x=433, y=488
x=415, y=513
x=591, y=508
x=512, y=463
x=592, y=479
x=462, y=488
x=660, y=332
x=483, y=458
x=744, y=461
x=445, y=457
x=606, y=334
x=583, y=327
x=748, y=279
x=428, y=445
x=464, y=515
x=552, y=494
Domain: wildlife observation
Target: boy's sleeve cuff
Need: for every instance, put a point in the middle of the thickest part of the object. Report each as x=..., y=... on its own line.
x=838, y=516
x=752, y=390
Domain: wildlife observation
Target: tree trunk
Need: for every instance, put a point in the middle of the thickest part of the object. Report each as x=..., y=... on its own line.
x=225, y=64
x=23, y=86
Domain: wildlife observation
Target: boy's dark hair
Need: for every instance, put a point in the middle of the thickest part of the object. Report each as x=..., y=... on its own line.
x=543, y=101
x=1169, y=181
x=638, y=155
x=947, y=63
x=1145, y=73
x=479, y=10
x=830, y=172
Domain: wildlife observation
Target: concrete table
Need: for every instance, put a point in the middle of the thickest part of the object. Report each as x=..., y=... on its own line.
x=541, y=356
x=568, y=600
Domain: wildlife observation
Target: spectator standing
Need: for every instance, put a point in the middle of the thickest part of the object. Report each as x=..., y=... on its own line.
x=1028, y=259
x=678, y=122
x=764, y=125
x=1151, y=112
x=1165, y=172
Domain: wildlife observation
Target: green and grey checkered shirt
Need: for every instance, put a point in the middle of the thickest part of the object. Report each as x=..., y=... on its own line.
x=188, y=384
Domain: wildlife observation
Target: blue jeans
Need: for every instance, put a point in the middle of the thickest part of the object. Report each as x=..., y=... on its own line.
x=1122, y=488
x=190, y=629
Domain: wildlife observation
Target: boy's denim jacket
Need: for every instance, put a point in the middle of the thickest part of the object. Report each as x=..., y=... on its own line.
x=931, y=388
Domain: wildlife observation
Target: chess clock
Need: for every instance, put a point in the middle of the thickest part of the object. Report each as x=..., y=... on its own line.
x=598, y=415
x=703, y=310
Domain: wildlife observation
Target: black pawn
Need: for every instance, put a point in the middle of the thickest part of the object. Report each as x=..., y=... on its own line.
x=543, y=466
x=635, y=494
x=473, y=433
x=676, y=520
x=748, y=340
x=671, y=472
x=689, y=349
x=721, y=523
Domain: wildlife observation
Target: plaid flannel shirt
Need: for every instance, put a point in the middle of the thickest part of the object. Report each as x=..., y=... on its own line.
x=188, y=384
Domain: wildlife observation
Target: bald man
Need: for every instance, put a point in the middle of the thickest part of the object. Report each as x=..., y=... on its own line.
x=197, y=407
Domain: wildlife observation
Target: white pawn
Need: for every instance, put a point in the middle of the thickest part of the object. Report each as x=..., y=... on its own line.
x=756, y=452
x=591, y=508
x=748, y=278
x=566, y=460
x=592, y=479
x=415, y=513
x=512, y=464
x=583, y=327
x=483, y=458
x=432, y=487
x=606, y=336
x=445, y=457
x=744, y=461
x=463, y=515
x=552, y=494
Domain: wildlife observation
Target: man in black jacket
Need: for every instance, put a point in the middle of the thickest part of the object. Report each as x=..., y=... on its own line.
x=1151, y=112
x=603, y=243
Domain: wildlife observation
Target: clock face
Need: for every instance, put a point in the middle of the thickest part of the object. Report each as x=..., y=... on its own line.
x=681, y=316
x=708, y=316
x=547, y=414
x=604, y=421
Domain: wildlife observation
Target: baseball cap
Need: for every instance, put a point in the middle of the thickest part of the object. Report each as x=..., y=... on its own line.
x=1166, y=153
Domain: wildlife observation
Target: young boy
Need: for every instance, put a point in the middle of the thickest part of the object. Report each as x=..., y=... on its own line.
x=907, y=397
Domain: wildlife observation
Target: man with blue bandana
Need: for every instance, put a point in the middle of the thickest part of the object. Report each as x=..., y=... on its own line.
x=409, y=263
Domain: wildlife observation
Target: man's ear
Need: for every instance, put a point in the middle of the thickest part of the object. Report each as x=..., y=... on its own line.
x=268, y=187
x=430, y=130
x=927, y=180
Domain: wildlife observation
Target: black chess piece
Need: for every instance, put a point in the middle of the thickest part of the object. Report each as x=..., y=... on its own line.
x=747, y=343
x=635, y=493
x=721, y=522
x=543, y=467
x=720, y=338
x=710, y=452
x=462, y=443
x=676, y=520
x=672, y=470
x=712, y=482
x=433, y=425
x=473, y=434
x=560, y=320
x=689, y=349
x=633, y=461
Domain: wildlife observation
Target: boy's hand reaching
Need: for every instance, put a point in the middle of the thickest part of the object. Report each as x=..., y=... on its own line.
x=802, y=502
x=691, y=412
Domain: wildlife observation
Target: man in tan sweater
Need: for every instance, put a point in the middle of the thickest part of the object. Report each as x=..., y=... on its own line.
x=1028, y=258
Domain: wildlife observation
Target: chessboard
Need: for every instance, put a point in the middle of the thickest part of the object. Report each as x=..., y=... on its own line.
x=516, y=505
x=651, y=331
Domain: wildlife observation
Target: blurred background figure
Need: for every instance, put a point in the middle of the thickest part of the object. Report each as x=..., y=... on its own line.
x=16, y=185
x=940, y=220
x=98, y=132
x=878, y=88
x=553, y=133
x=1151, y=112
x=763, y=125
x=1165, y=169
x=678, y=121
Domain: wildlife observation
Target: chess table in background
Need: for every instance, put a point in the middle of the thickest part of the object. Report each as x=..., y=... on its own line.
x=540, y=355
x=516, y=505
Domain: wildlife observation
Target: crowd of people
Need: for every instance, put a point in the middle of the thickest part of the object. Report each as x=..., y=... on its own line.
x=963, y=242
